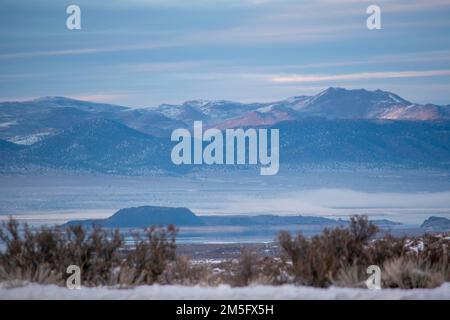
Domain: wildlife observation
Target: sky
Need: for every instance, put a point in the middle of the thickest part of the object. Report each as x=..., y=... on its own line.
x=142, y=53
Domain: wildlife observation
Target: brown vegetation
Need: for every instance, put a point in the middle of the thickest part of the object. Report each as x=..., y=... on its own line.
x=338, y=256
x=341, y=256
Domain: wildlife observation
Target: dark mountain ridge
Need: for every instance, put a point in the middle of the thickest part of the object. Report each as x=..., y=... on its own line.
x=145, y=216
x=50, y=115
x=99, y=145
x=335, y=127
x=111, y=147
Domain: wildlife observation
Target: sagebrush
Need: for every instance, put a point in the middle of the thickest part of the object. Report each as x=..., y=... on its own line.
x=338, y=256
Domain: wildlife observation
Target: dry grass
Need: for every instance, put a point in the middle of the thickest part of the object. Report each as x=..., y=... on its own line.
x=408, y=273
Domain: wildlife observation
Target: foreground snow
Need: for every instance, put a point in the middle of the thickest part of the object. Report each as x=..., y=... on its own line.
x=258, y=292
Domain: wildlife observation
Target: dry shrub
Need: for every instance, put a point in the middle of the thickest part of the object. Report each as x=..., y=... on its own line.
x=350, y=276
x=317, y=261
x=435, y=253
x=28, y=253
x=341, y=257
x=254, y=268
x=336, y=257
x=152, y=254
x=273, y=272
x=386, y=247
x=43, y=255
x=427, y=266
x=183, y=271
x=247, y=268
x=19, y=277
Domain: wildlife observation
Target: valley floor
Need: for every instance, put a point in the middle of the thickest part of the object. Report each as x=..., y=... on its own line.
x=222, y=292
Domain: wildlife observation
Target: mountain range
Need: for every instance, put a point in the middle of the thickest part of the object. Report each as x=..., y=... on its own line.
x=28, y=121
x=336, y=126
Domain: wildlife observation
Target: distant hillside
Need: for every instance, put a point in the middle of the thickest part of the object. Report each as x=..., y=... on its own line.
x=141, y=217
x=9, y=153
x=100, y=145
x=375, y=143
x=145, y=216
x=6, y=146
x=27, y=122
x=436, y=224
x=111, y=147
x=266, y=220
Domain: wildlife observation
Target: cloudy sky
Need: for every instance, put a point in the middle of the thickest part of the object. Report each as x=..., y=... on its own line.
x=146, y=52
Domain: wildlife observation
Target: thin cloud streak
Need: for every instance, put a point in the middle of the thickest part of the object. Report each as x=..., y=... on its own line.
x=236, y=35
x=70, y=52
x=294, y=23
x=360, y=76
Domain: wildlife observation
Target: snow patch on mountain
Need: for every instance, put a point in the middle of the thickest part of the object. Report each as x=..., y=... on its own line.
x=30, y=139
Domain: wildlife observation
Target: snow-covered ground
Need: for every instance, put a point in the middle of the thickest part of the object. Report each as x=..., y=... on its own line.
x=223, y=292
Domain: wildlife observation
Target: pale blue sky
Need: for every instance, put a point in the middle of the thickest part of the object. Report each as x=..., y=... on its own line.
x=146, y=52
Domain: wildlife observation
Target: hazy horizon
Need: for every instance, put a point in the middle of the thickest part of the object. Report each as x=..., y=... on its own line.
x=201, y=99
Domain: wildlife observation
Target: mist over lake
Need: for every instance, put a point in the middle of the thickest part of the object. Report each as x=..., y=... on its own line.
x=403, y=196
